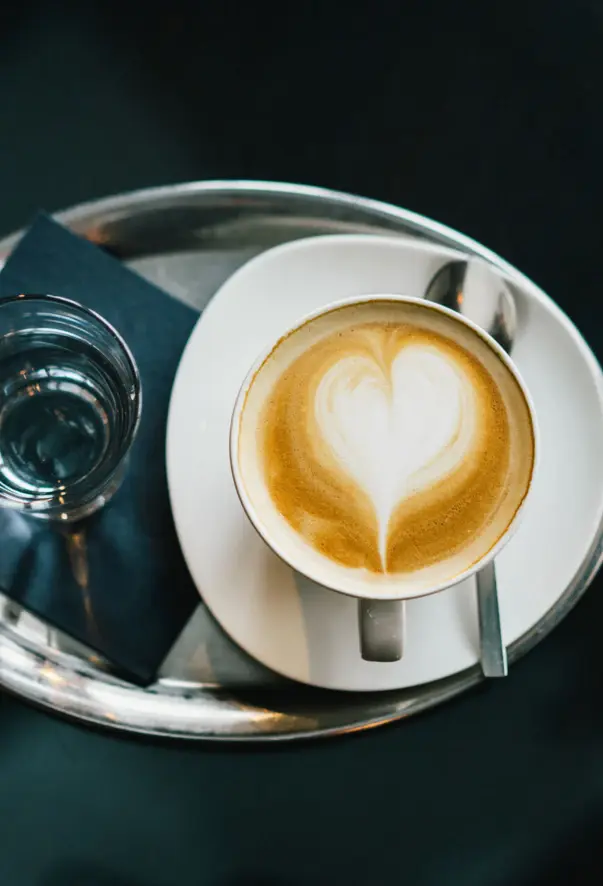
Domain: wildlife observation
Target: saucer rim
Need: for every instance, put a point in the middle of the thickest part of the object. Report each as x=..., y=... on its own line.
x=585, y=570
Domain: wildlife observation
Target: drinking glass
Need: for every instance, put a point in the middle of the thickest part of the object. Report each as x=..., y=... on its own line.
x=70, y=403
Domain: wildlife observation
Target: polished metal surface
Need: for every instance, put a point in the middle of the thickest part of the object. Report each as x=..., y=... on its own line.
x=472, y=289
x=188, y=239
x=493, y=652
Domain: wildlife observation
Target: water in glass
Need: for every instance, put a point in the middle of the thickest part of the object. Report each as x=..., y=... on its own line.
x=67, y=410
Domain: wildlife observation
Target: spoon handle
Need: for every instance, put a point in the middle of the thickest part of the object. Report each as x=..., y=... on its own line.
x=493, y=650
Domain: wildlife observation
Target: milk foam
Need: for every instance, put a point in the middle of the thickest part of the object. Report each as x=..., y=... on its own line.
x=386, y=445
x=400, y=430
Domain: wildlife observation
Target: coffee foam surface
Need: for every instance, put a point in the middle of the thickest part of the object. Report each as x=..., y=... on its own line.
x=386, y=439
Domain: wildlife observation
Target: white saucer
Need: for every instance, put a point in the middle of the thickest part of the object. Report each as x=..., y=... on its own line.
x=302, y=630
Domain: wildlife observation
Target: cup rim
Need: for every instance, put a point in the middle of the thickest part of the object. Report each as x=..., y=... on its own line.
x=249, y=507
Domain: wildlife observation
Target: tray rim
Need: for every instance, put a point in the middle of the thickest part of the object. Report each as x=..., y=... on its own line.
x=46, y=674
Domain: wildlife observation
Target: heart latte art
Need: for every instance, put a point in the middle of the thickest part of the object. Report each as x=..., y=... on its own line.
x=396, y=416
x=387, y=445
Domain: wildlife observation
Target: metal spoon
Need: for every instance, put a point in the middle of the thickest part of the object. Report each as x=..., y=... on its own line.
x=475, y=290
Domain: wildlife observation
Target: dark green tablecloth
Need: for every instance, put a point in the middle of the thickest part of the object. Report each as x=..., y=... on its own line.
x=486, y=116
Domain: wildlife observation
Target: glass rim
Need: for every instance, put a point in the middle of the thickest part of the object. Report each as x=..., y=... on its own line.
x=90, y=312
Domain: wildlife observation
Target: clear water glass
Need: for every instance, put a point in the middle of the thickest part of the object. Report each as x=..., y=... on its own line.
x=70, y=402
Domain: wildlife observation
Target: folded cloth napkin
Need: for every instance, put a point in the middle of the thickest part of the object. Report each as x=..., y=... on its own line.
x=117, y=582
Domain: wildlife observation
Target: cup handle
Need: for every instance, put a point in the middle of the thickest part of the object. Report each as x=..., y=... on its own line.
x=381, y=627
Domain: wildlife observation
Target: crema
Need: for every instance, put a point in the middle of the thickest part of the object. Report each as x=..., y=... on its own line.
x=390, y=439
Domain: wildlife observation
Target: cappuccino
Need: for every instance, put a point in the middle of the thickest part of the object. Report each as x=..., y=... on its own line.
x=385, y=442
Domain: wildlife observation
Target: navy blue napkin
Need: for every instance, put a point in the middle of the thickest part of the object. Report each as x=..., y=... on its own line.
x=117, y=582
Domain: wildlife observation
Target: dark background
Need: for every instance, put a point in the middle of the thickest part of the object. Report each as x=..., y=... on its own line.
x=486, y=116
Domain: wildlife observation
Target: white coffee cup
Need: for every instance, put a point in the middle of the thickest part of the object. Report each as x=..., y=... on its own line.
x=380, y=598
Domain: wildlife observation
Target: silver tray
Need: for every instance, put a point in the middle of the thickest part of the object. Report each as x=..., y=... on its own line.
x=188, y=239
